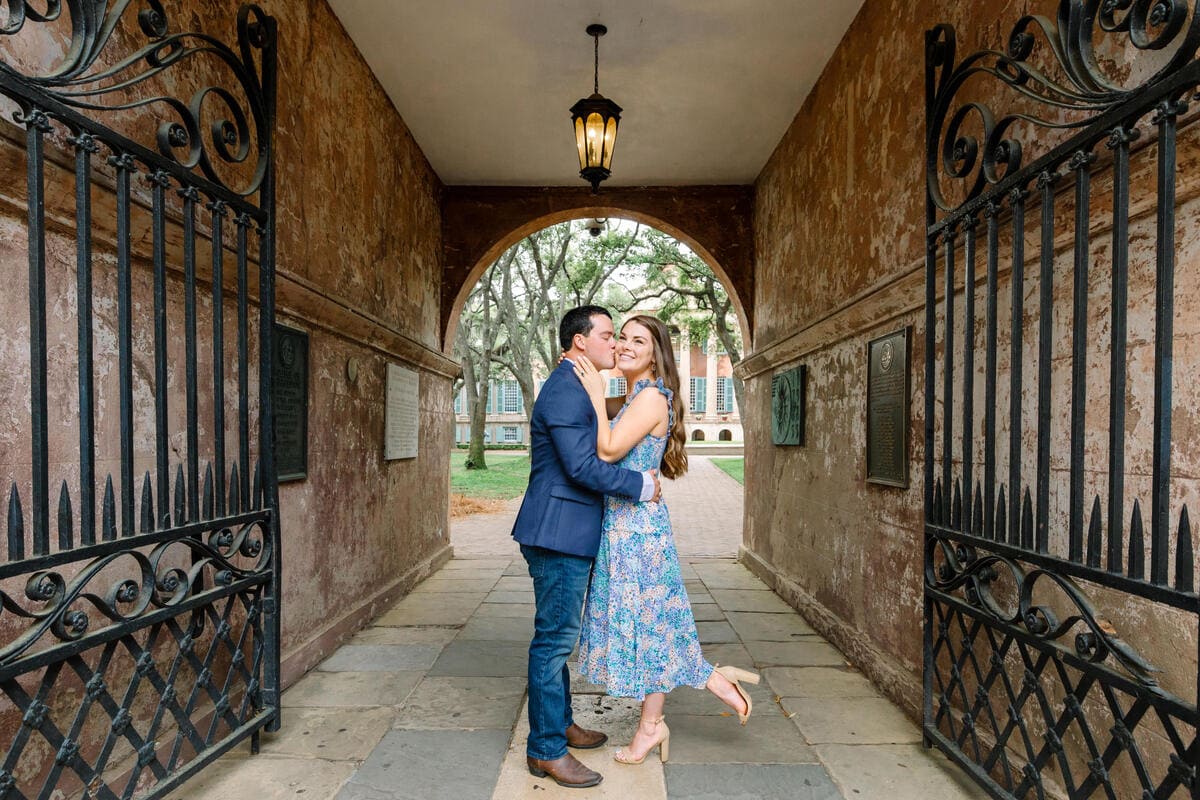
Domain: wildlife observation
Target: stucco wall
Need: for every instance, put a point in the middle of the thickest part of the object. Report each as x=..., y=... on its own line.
x=839, y=259
x=359, y=268
x=359, y=223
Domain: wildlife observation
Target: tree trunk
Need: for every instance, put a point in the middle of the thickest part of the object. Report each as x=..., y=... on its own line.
x=477, y=403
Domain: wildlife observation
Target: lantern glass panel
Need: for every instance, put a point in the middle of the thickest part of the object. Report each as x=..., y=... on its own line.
x=595, y=139
x=610, y=140
x=581, y=142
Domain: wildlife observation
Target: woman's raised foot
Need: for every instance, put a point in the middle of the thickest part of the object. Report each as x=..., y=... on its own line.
x=724, y=683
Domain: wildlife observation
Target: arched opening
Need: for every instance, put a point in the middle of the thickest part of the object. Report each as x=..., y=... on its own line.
x=725, y=435
x=500, y=243
x=706, y=360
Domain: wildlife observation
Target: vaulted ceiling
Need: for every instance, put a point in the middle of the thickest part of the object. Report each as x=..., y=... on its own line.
x=708, y=87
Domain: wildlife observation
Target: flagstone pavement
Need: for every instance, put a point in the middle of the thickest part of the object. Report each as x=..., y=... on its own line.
x=429, y=701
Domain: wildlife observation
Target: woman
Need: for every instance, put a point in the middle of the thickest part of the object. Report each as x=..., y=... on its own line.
x=639, y=637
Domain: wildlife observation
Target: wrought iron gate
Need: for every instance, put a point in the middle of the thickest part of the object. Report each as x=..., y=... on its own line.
x=139, y=637
x=1038, y=561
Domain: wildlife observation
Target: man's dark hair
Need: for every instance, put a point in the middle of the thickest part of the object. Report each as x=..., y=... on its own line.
x=578, y=320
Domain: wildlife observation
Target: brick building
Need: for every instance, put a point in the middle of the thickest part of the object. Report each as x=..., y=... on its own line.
x=712, y=412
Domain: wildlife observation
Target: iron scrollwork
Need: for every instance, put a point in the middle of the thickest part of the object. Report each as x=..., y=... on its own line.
x=155, y=583
x=241, y=128
x=1073, y=95
x=962, y=567
x=178, y=601
x=1028, y=686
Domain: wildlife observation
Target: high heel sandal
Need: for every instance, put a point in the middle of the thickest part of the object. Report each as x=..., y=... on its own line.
x=662, y=743
x=735, y=674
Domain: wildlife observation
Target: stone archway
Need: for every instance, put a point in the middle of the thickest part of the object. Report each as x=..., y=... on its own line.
x=480, y=223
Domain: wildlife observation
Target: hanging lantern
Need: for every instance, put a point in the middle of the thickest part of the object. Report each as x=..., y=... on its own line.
x=595, y=119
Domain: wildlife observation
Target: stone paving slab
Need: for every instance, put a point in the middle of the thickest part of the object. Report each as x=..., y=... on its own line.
x=511, y=597
x=381, y=658
x=468, y=659
x=728, y=653
x=749, y=782
x=335, y=734
x=269, y=778
x=456, y=585
x=896, y=772
x=771, y=627
x=707, y=612
x=514, y=583
x=517, y=568
x=727, y=575
x=744, y=600
x=714, y=632
x=458, y=563
x=351, y=689
x=380, y=635
x=432, y=609
x=851, y=720
x=697, y=739
x=818, y=682
x=742, y=580
x=489, y=610
x=463, y=703
x=430, y=765
x=493, y=574
x=504, y=629
x=815, y=652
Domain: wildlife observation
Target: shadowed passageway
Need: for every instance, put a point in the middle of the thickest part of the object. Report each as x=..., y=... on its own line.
x=429, y=700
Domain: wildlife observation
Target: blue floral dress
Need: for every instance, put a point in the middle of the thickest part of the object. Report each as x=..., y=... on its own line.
x=638, y=634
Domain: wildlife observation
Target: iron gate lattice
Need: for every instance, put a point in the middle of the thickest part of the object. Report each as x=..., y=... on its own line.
x=139, y=633
x=1029, y=685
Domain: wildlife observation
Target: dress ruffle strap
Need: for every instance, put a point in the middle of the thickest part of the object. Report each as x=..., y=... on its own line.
x=662, y=387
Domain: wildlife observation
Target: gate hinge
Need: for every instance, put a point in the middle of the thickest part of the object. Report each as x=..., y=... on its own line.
x=268, y=605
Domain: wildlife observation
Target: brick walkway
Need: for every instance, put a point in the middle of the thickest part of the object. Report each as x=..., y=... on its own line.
x=429, y=701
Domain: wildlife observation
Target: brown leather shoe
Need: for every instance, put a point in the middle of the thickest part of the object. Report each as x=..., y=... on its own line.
x=583, y=739
x=567, y=771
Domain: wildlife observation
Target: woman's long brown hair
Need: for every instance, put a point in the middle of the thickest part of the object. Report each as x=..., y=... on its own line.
x=674, y=460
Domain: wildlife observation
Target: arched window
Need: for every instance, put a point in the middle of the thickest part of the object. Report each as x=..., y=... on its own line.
x=725, y=435
x=698, y=436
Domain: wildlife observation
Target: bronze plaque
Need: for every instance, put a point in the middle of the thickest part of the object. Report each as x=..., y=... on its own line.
x=787, y=406
x=887, y=409
x=289, y=403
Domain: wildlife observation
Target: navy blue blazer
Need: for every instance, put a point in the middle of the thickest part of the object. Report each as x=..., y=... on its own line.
x=564, y=504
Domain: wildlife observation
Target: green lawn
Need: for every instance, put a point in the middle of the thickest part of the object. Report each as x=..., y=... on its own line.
x=506, y=476
x=733, y=467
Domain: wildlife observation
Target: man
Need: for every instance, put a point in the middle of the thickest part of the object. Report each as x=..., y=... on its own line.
x=558, y=528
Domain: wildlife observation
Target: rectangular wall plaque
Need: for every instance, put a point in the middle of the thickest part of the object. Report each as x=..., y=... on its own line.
x=787, y=406
x=289, y=403
x=401, y=418
x=887, y=409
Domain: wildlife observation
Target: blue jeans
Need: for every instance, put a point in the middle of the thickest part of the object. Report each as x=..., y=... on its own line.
x=560, y=581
